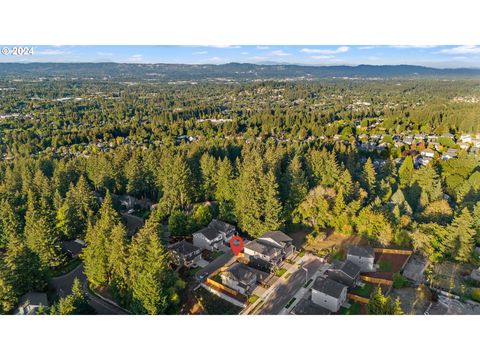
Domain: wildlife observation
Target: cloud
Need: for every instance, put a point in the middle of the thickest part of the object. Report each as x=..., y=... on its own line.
x=279, y=53
x=258, y=58
x=341, y=49
x=244, y=53
x=135, y=57
x=50, y=52
x=413, y=46
x=262, y=47
x=462, y=50
x=225, y=46
x=215, y=59
x=366, y=47
x=200, y=52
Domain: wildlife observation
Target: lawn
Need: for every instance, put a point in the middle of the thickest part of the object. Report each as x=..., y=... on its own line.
x=338, y=255
x=216, y=254
x=217, y=278
x=280, y=272
x=252, y=298
x=215, y=305
x=307, y=283
x=65, y=269
x=363, y=291
x=290, y=303
x=385, y=266
x=288, y=275
x=301, y=253
x=354, y=309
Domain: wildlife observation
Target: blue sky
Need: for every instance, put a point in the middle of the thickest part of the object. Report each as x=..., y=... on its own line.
x=435, y=56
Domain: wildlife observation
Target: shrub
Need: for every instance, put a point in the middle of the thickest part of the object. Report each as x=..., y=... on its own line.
x=476, y=294
x=399, y=280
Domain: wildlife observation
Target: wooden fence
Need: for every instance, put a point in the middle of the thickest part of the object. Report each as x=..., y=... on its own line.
x=220, y=286
x=376, y=280
x=393, y=251
x=359, y=299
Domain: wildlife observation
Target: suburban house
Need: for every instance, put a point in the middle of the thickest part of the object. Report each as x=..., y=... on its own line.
x=239, y=277
x=428, y=153
x=329, y=294
x=279, y=240
x=465, y=138
x=226, y=230
x=344, y=272
x=362, y=256
x=31, y=302
x=73, y=248
x=185, y=254
x=263, y=255
x=449, y=154
x=207, y=238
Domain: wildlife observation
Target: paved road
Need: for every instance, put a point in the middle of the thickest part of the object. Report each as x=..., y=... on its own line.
x=286, y=289
x=63, y=286
x=215, y=264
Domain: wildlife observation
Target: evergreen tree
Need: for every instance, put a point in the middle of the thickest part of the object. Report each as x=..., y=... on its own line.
x=208, y=167
x=9, y=225
x=297, y=186
x=461, y=239
x=40, y=233
x=405, y=173
x=369, y=178
x=96, y=253
x=272, y=212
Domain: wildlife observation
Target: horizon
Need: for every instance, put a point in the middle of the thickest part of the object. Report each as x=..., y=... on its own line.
x=431, y=56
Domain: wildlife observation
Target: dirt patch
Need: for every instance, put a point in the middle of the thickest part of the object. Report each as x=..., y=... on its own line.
x=389, y=264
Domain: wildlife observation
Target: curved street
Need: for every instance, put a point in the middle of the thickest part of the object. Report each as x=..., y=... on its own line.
x=63, y=287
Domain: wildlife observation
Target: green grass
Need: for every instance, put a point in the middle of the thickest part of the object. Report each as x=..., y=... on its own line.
x=216, y=254
x=364, y=291
x=338, y=255
x=192, y=271
x=288, y=275
x=65, y=269
x=385, y=265
x=354, y=309
x=307, y=283
x=290, y=303
x=217, y=278
x=252, y=298
x=301, y=253
x=280, y=272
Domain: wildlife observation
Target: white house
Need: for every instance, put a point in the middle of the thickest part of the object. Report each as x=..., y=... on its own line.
x=207, y=238
x=185, y=254
x=31, y=302
x=465, y=138
x=363, y=256
x=329, y=294
x=428, y=153
x=279, y=240
x=226, y=230
x=239, y=277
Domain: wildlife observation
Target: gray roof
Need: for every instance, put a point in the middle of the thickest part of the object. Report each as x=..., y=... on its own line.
x=328, y=286
x=221, y=226
x=347, y=267
x=363, y=251
x=209, y=233
x=34, y=299
x=183, y=247
x=307, y=307
x=277, y=236
x=241, y=273
x=262, y=248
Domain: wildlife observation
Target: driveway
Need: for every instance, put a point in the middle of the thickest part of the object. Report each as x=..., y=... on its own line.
x=63, y=286
x=285, y=289
x=214, y=265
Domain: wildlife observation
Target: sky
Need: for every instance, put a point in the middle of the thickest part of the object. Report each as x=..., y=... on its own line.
x=452, y=56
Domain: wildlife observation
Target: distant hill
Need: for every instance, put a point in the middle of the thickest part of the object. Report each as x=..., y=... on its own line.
x=226, y=72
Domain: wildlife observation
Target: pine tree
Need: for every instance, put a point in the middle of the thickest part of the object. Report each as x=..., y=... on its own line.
x=461, y=239
x=272, y=205
x=369, y=177
x=296, y=185
x=118, y=259
x=153, y=283
x=8, y=298
x=405, y=173
x=9, y=225
x=225, y=190
x=96, y=253
x=208, y=167
x=40, y=232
